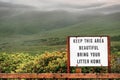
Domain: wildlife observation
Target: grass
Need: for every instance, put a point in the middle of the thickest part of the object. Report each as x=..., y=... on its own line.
x=39, y=32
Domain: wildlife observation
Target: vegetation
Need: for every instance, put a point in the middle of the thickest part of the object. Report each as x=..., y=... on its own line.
x=36, y=32
x=25, y=36
x=49, y=62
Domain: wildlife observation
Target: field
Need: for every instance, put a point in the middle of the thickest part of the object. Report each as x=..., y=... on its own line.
x=34, y=41
x=28, y=33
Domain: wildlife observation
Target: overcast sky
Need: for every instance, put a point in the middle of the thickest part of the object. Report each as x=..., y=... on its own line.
x=80, y=5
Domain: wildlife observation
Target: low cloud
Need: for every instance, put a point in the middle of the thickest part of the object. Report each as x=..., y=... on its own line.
x=75, y=5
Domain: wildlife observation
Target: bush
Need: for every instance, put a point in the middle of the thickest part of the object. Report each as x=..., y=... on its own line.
x=54, y=62
x=48, y=62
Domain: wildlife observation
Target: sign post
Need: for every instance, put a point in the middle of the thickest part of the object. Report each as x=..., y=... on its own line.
x=109, y=56
x=88, y=51
x=68, y=55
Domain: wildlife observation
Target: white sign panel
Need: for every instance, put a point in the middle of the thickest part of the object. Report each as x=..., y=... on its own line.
x=88, y=51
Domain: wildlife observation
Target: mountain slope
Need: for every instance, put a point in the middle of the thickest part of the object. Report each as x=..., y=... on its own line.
x=95, y=25
x=32, y=22
x=27, y=29
x=19, y=20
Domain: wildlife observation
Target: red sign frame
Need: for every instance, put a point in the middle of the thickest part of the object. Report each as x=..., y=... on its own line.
x=68, y=52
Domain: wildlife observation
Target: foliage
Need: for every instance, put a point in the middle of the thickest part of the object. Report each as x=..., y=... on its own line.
x=115, y=62
x=19, y=63
x=10, y=62
x=49, y=62
x=115, y=38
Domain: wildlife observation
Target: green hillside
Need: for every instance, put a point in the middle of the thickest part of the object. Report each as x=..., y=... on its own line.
x=36, y=32
x=36, y=22
x=103, y=25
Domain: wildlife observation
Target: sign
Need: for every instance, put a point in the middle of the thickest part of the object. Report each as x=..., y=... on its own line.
x=88, y=51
